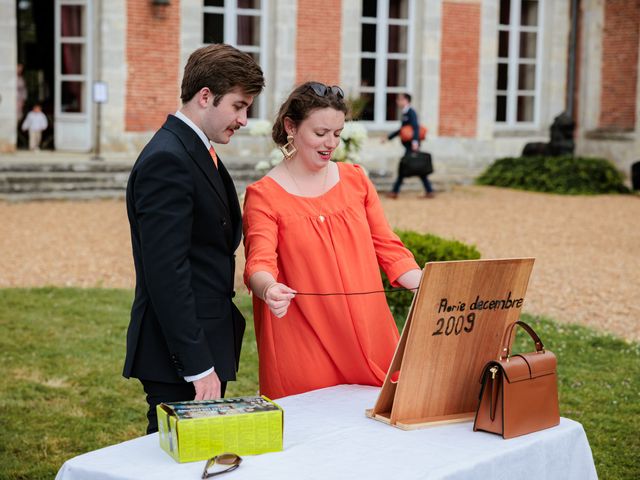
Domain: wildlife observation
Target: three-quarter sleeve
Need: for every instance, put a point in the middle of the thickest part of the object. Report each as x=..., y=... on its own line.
x=393, y=257
x=260, y=229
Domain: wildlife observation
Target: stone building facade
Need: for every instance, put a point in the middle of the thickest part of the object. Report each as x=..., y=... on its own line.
x=487, y=76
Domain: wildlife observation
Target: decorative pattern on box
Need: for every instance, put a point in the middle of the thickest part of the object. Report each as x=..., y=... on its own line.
x=197, y=430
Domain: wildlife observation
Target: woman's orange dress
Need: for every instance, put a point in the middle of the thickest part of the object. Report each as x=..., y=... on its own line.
x=323, y=340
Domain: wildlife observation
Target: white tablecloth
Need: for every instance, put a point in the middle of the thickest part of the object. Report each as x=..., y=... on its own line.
x=327, y=436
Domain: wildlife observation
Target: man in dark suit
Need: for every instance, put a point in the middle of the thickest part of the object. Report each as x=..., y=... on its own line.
x=185, y=333
x=409, y=117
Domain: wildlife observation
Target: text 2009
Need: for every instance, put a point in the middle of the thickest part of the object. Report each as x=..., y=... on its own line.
x=455, y=325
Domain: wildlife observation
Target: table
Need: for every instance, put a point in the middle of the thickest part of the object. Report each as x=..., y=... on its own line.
x=327, y=436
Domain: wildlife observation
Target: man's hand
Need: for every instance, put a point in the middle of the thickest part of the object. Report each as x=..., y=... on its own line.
x=415, y=145
x=278, y=297
x=207, y=388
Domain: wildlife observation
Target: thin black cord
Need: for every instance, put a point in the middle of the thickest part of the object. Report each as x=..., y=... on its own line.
x=393, y=290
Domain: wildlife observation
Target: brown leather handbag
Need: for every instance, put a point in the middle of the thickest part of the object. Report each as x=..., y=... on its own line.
x=519, y=393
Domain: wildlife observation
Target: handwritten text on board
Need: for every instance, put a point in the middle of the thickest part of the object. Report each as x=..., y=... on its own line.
x=457, y=324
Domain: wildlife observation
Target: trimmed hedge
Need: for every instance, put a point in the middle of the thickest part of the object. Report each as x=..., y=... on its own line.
x=425, y=248
x=566, y=175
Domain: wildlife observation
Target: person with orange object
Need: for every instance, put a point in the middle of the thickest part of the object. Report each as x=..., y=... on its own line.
x=317, y=227
x=410, y=144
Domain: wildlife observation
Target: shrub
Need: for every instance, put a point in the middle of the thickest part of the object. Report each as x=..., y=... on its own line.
x=565, y=174
x=425, y=248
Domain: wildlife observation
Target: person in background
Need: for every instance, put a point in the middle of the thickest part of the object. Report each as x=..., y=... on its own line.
x=35, y=123
x=315, y=226
x=21, y=92
x=409, y=117
x=185, y=334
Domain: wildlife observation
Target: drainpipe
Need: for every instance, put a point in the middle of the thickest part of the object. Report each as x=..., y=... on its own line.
x=97, y=51
x=571, y=81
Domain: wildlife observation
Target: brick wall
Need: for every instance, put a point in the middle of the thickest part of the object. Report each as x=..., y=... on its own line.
x=153, y=62
x=318, y=41
x=459, y=63
x=620, y=38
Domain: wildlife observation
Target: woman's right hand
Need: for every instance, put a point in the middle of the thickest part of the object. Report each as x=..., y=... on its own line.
x=278, y=296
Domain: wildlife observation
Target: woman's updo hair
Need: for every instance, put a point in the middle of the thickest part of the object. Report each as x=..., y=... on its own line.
x=299, y=105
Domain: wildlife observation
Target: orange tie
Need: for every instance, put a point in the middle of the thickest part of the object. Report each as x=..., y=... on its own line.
x=214, y=157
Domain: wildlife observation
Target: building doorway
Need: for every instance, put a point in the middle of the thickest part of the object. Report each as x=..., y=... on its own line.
x=54, y=46
x=35, y=42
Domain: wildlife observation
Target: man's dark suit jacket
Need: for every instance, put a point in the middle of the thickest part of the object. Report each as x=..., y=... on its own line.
x=410, y=117
x=185, y=227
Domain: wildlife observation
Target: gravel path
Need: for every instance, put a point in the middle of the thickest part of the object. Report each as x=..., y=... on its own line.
x=587, y=249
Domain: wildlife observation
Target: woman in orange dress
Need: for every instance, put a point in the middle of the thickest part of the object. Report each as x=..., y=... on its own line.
x=315, y=226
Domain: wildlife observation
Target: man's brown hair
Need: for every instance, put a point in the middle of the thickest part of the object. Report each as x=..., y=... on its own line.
x=221, y=68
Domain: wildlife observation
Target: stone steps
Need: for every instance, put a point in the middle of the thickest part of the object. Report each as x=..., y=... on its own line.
x=21, y=181
x=92, y=180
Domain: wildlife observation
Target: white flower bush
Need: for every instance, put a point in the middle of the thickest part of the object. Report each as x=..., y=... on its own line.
x=263, y=165
x=352, y=136
x=260, y=128
x=275, y=157
x=354, y=132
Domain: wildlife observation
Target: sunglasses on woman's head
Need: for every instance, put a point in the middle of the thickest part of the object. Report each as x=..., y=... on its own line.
x=323, y=90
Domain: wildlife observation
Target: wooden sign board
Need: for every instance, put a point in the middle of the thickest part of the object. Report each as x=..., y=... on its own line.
x=454, y=327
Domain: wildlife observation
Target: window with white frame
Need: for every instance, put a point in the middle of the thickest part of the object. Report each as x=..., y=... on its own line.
x=519, y=63
x=72, y=74
x=385, y=57
x=243, y=24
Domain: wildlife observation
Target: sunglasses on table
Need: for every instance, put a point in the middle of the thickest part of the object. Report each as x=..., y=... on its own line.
x=230, y=460
x=323, y=90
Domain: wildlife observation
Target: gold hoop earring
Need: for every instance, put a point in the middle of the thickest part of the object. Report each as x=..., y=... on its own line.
x=288, y=149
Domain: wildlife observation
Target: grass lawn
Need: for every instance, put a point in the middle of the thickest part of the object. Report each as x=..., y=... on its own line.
x=62, y=392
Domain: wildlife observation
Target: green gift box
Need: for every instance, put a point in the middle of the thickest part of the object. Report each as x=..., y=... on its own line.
x=198, y=430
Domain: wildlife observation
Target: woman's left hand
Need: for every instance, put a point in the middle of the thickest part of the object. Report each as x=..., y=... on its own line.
x=278, y=297
x=411, y=279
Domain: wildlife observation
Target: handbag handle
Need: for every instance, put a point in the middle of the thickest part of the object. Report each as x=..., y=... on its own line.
x=506, y=343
